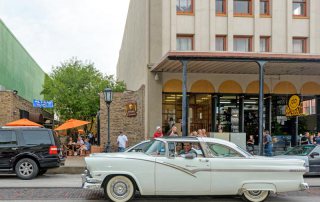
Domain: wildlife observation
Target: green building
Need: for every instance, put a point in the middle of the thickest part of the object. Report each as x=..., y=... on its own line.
x=18, y=70
x=21, y=81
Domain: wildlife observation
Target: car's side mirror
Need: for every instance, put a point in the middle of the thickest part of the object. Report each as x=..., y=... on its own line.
x=313, y=154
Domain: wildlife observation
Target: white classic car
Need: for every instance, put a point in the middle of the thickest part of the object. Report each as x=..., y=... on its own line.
x=192, y=166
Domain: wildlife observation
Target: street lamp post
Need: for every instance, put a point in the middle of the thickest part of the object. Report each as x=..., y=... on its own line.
x=108, y=99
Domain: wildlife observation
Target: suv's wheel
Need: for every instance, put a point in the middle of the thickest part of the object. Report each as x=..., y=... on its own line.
x=26, y=169
x=42, y=171
x=255, y=196
x=119, y=189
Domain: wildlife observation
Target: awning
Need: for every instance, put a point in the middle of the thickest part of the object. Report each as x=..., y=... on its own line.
x=239, y=63
x=22, y=122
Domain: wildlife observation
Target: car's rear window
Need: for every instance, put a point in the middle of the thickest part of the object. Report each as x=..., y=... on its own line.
x=36, y=137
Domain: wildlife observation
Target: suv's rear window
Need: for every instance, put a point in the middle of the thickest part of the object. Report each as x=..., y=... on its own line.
x=36, y=137
x=7, y=137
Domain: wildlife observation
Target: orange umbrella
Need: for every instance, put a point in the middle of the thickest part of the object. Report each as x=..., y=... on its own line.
x=72, y=123
x=22, y=122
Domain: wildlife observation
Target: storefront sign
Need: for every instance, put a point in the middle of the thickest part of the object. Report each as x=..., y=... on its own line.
x=131, y=109
x=294, y=107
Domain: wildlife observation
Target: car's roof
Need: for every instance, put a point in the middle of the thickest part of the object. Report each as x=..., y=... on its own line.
x=195, y=139
x=23, y=128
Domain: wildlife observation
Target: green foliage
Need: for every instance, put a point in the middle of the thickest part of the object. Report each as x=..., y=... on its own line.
x=74, y=87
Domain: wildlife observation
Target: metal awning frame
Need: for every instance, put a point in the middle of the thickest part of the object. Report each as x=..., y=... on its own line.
x=261, y=59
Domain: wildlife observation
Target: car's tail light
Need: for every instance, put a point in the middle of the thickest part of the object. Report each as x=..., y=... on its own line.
x=53, y=150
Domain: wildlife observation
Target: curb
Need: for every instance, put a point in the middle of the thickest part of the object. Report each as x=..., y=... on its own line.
x=66, y=170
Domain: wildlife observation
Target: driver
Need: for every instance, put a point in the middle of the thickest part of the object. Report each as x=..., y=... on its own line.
x=187, y=149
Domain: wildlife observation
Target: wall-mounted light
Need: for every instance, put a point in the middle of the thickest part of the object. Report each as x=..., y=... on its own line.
x=156, y=77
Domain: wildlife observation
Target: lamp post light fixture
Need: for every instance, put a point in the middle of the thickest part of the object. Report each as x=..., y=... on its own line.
x=108, y=99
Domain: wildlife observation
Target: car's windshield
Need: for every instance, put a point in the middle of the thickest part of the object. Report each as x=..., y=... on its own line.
x=156, y=148
x=140, y=147
x=244, y=151
x=300, y=150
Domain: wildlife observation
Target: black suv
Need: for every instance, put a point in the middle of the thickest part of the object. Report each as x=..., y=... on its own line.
x=29, y=151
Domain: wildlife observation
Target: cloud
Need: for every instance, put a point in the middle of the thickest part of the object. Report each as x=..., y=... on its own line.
x=55, y=30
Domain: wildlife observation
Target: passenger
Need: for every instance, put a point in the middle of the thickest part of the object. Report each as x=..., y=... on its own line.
x=187, y=149
x=178, y=148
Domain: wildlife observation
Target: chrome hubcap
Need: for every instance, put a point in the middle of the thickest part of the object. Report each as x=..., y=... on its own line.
x=120, y=188
x=26, y=169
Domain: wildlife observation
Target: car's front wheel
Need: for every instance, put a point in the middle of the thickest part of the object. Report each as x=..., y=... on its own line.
x=119, y=189
x=255, y=196
x=26, y=169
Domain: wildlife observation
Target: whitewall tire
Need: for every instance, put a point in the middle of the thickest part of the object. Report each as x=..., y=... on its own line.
x=119, y=189
x=255, y=196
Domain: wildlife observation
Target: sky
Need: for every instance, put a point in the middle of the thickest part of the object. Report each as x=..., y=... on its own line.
x=53, y=31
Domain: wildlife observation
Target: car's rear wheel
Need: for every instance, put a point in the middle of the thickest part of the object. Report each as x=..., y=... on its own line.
x=119, y=189
x=26, y=169
x=255, y=195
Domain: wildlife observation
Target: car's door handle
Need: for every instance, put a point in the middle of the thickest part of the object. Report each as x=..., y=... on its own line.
x=203, y=160
x=14, y=148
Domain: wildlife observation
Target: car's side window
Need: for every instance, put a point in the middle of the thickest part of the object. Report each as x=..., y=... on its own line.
x=7, y=137
x=182, y=148
x=219, y=150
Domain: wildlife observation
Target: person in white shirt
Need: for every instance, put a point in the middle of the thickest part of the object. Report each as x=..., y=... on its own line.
x=122, y=142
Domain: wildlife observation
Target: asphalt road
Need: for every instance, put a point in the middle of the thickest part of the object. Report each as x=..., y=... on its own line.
x=67, y=188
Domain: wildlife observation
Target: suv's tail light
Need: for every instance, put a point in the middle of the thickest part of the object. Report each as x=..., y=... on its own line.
x=53, y=150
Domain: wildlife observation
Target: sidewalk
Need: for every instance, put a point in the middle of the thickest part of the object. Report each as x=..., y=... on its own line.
x=73, y=165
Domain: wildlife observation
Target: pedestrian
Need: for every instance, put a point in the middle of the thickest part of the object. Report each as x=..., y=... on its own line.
x=318, y=138
x=267, y=142
x=90, y=137
x=204, y=132
x=173, y=132
x=305, y=139
x=250, y=144
x=122, y=142
x=158, y=132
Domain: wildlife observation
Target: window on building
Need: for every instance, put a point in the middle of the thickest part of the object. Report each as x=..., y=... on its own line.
x=299, y=45
x=242, y=7
x=184, y=42
x=299, y=7
x=265, y=44
x=221, y=43
x=184, y=6
x=309, y=107
x=264, y=7
x=242, y=43
x=221, y=7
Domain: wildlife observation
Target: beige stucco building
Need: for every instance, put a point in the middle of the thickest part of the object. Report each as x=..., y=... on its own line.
x=259, y=28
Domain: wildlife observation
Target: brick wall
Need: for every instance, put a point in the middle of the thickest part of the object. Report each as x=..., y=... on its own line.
x=133, y=127
x=10, y=105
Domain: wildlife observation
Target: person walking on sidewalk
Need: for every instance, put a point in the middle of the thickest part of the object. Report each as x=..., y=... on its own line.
x=122, y=142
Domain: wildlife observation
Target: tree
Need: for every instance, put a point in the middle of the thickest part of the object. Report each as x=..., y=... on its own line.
x=74, y=87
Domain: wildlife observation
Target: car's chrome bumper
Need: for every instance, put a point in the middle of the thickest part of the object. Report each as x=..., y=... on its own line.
x=304, y=186
x=90, y=183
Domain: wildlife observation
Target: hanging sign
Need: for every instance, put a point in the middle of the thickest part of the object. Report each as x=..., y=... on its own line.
x=294, y=107
x=131, y=109
x=42, y=103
